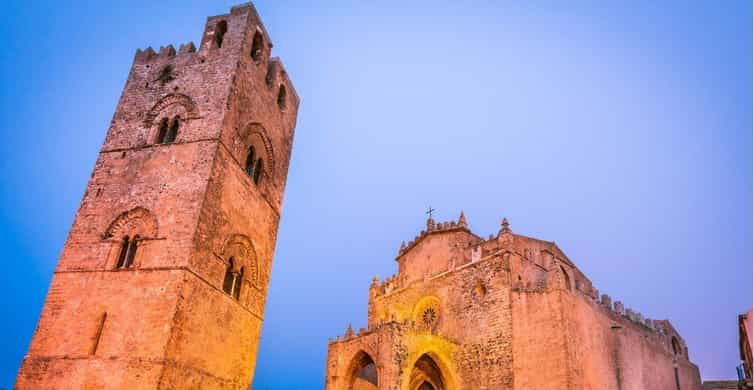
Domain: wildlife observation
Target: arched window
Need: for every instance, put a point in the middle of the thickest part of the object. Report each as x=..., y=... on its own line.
x=127, y=252
x=132, y=251
x=220, y=29
x=229, y=278
x=163, y=132
x=257, y=170
x=173, y=132
x=676, y=346
x=250, y=163
x=237, y=284
x=256, y=47
x=566, y=278
x=282, y=94
x=168, y=130
x=123, y=253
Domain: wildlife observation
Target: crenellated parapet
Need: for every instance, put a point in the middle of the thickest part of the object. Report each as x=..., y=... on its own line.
x=625, y=316
x=435, y=228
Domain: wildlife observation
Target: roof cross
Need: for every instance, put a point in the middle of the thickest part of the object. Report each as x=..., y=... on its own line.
x=429, y=211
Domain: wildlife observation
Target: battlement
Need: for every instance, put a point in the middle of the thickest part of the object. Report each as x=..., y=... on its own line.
x=390, y=325
x=664, y=332
x=226, y=38
x=536, y=266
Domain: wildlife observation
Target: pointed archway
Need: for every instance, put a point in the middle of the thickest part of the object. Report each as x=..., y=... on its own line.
x=427, y=375
x=362, y=373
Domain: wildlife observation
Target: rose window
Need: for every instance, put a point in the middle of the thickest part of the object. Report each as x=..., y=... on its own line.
x=429, y=317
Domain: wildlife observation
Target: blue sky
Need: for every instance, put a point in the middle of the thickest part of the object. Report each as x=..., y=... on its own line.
x=620, y=130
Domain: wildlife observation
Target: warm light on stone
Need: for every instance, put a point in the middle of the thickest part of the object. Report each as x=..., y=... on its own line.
x=509, y=312
x=163, y=278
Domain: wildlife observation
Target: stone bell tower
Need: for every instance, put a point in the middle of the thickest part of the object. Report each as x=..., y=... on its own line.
x=162, y=281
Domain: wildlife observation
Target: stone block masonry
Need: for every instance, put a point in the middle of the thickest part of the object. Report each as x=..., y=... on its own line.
x=163, y=278
x=509, y=312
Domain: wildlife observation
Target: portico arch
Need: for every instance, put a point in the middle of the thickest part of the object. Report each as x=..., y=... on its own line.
x=431, y=367
x=362, y=373
x=426, y=375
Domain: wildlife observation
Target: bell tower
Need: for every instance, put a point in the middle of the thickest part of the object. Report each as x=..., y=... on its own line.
x=163, y=278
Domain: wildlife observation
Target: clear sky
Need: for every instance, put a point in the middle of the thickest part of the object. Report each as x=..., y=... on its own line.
x=621, y=130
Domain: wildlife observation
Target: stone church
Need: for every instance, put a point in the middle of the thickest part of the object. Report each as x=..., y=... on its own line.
x=163, y=278
x=505, y=312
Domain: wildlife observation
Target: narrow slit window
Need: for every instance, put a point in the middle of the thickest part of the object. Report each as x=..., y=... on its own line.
x=163, y=132
x=229, y=278
x=282, y=95
x=237, y=284
x=257, y=170
x=133, y=245
x=220, y=30
x=250, y=163
x=256, y=47
x=123, y=253
x=173, y=132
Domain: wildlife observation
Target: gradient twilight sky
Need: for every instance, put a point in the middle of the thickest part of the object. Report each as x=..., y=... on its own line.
x=620, y=130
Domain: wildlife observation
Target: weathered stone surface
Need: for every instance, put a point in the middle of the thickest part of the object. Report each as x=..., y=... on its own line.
x=511, y=312
x=165, y=321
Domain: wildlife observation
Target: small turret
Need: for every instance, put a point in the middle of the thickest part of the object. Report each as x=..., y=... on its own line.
x=462, y=220
x=505, y=226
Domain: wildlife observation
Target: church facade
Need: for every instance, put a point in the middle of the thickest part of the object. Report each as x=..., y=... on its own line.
x=506, y=312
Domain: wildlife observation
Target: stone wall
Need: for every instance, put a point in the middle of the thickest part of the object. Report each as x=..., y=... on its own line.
x=513, y=313
x=165, y=321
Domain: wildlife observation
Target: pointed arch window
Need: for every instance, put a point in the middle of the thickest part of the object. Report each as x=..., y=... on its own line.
x=237, y=284
x=257, y=170
x=173, y=132
x=232, y=280
x=229, y=278
x=282, y=95
x=163, y=132
x=566, y=278
x=168, y=131
x=128, y=252
x=250, y=162
x=253, y=166
x=220, y=30
x=256, y=47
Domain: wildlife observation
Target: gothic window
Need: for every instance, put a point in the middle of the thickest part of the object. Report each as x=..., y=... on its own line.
x=250, y=162
x=229, y=278
x=232, y=280
x=256, y=47
x=281, y=97
x=123, y=252
x=163, y=132
x=128, y=252
x=566, y=279
x=237, y=284
x=220, y=30
x=173, y=132
x=676, y=346
x=168, y=131
x=132, y=251
x=257, y=170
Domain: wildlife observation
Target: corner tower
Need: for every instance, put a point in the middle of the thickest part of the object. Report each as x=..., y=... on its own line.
x=163, y=278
